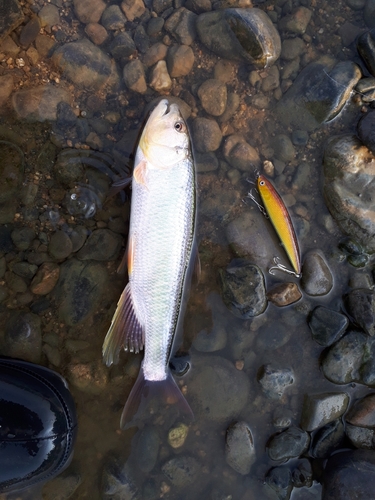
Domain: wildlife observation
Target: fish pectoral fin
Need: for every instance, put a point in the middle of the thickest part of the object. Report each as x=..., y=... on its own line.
x=140, y=172
x=125, y=331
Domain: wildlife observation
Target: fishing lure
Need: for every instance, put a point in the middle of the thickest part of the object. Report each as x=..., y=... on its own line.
x=274, y=207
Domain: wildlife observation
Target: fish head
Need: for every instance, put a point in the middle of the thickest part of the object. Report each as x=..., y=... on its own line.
x=165, y=138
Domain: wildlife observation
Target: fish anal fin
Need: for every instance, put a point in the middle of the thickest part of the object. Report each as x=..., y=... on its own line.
x=146, y=392
x=125, y=331
x=139, y=173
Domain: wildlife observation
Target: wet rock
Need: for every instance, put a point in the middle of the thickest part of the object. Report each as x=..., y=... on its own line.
x=206, y=162
x=369, y=13
x=302, y=474
x=91, y=378
x=46, y=278
x=239, y=154
x=214, y=339
x=327, y=326
x=274, y=381
x=362, y=413
x=320, y=409
x=290, y=443
x=23, y=269
x=283, y=148
x=39, y=103
x=213, y=96
x=240, y=34
x=49, y=16
x=318, y=94
x=316, y=279
x=280, y=480
x=22, y=237
x=365, y=46
x=182, y=470
x=366, y=128
x=156, y=53
x=361, y=437
x=297, y=21
x=62, y=487
x=239, y=448
x=89, y=11
x=206, y=135
x=147, y=443
x=177, y=435
x=349, y=476
x=292, y=48
x=141, y=39
x=134, y=76
x=349, y=183
x=160, y=79
x=181, y=25
x=113, y=18
x=79, y=290
x=217, y=390
x=133, y=9
x=243, y=289
x=328, y=439
x=30, y=31
x=11, y=17
x=87, y=66
x=15, y=282
x=122, y=47
x=96, y=32
x=22, y=337
x=60, y=245
x=361, y=306
x=351, y=359
x=284, y=294
x=154, y=26
x=117, y=482
x=233, y=103
x=6, y=88
x=102, y=245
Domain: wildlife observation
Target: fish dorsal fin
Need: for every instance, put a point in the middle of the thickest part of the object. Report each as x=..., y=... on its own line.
x=140, y=172
x=125, y=331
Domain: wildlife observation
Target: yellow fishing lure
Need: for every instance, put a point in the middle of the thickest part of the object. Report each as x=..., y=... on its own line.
x=281, y=221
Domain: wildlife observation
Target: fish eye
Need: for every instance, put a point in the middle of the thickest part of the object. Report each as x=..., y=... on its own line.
x=179, y=127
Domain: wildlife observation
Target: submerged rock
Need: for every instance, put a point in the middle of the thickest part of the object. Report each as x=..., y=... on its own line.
x=86, y=65
x=316, y=279
x=349, y=187
x=290, y=443
x=240, y=34
x=39, y=104
x=11, y=17
x=361, y=306
x=362, y=413
x=274, y=381
x=365, y=46
x=327, y=326
x=280, y=480
x=181, y=470
x=318, y=94
x=328, y=439
x=243, y=289
x=22, y=337
x=366, y=128
x=239, y=447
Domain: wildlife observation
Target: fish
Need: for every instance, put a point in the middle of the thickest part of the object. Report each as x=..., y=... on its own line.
x=160, y=246
x=281, y=221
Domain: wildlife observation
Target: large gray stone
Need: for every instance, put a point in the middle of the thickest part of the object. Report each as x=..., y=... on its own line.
x=39, y=104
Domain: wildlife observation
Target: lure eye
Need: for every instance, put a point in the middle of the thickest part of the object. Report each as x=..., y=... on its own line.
x=179, y=127
x=262, y=183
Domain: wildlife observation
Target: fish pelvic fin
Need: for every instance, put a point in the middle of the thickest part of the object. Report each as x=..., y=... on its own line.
x=125, y=331
x=148, y=394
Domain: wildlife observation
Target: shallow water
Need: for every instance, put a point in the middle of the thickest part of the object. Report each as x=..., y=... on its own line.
x=280, y=336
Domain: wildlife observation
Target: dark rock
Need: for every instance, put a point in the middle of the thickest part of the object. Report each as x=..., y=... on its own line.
x=134, y=76
x=6, y=88
x=328, y=439
x=102, y=245
x=141, y=39
x=320, y=409
x=87, y=66
x=89, y=11
x=213, y=96
x=361, y=437
x=283, y=148
x=292, y=48
x=30, y=31
x=302, y=474
x=23, y=337
x=362, y=413
x=80, y=289
x=11, y=16
x=349, y=476
x=39, y=104
x=206, y=162
x=122, y=46
x=297, y=21
x=239, y=447
x=327, y=326
x=154, y=26
x=290, y=443
x=63, y=487
x=22, y=237
x=181, y=25
x=284, y=294
x=206, y=135
x=159, y=6
x=274, y=381
x=349, y=183
x=23, y=269
x=361, y=306
x=318, y=94
x=369, y=13
x=217, y=390
x=233, y=103
x=147, y=449
x=240, y=34
x=113, y=18
x=366, y=48
x=96, y=32
x=280, y=480
x=239, y=154
x=366, y=130
x=243, y=289
x=300, y=137
x=60, y=245
x=156, y=53
x=316, y=277
x=181, y=470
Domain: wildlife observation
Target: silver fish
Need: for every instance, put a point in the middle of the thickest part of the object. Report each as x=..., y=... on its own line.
x=161, y=237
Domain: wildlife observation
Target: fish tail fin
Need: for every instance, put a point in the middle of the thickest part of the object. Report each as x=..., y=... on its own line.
x=146, y=393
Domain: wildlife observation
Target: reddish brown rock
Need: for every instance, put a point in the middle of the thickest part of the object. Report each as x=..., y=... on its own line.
x=362, y=414
x=284, y=294
x=45, y=279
